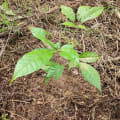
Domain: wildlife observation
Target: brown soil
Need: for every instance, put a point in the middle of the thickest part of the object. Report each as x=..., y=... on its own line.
x=71, y=97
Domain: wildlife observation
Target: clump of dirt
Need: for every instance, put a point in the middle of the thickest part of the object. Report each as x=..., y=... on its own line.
x=71, y=97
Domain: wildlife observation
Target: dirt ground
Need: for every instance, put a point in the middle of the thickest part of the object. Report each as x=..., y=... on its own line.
x=71, y=97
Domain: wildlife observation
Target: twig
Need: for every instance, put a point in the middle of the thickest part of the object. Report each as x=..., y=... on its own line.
x=19, y=101
x=2, y=48
x=53, y=10
x=115, y=59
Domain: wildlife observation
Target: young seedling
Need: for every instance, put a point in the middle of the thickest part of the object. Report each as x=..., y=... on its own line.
x=84, y=14
x=40, y=58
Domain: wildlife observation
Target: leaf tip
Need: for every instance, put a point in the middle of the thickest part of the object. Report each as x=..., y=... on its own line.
x=100, y=89
x=11, y=81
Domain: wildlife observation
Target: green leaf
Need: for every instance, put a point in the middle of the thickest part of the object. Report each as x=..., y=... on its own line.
x=68, y=12
x=69, y=24
x=91, y=75
x=82, y=11
x=55, y=70
x=5, y=5
x=32, y=62
x=5, y=19
x=57, y=45
x=69, y=53
x=81, y=27
x=89, y=57
x=67, y=47
x=86, y=13
x=40, y=33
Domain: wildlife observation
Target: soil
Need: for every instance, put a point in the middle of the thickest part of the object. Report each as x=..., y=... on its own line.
x=71, y=97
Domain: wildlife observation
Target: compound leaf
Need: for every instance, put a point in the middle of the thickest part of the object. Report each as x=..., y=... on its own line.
x=32, y=62
x=68, y=12
x=55, y=70
x=88, y=57
x=91, y=75
x=86, y=13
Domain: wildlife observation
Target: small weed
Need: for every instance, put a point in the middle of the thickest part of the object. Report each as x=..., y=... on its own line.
x=84, y=14
x=40, y=58
x=5, y=21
